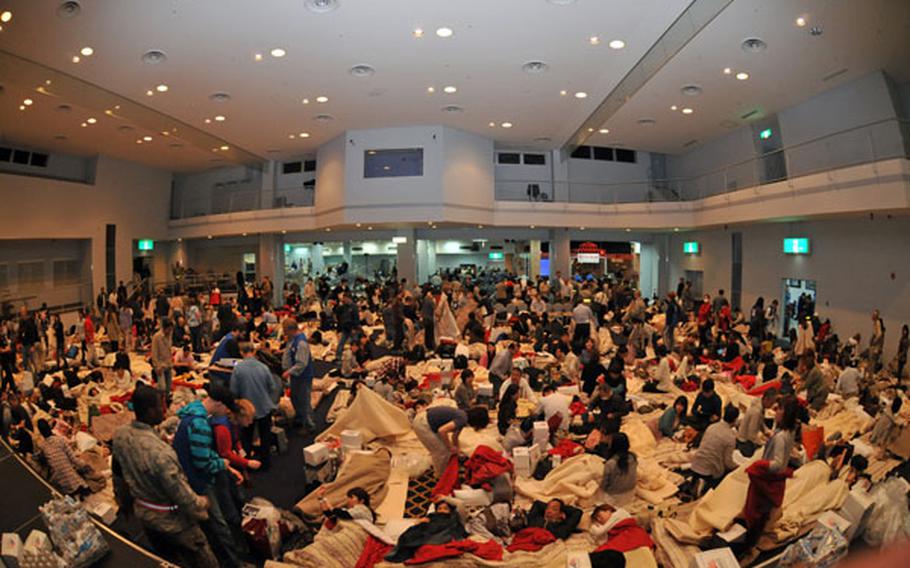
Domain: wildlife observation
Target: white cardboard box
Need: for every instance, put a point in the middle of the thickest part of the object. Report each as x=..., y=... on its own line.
x=855, y=509
x=316, y=454
x=832, y=520
x=717, y=558
x=38, y=541
x=525, y=460
x=105, y=512
x=485, y=389
x=12, y=549
x=351, y=439
x=541, y=432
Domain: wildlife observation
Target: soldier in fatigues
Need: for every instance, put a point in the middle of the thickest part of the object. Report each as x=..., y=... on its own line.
x=148, y=481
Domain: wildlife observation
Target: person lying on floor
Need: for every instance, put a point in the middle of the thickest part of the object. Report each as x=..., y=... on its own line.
x=603, y=518
x=555, y=516
x=443, y=525
x=357, y=506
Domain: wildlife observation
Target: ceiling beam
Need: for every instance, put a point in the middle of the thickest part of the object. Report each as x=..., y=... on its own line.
x=690, y=22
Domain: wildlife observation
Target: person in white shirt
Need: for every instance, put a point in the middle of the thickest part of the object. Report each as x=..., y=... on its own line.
x=848, y=382
x=524, y=389
x=553, y=403
x=568, y=364
x=584, y=321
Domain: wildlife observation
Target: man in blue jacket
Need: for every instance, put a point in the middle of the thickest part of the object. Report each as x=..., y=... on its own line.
x=228, y=348
x=298, y=369
x=253, y=381
x=195, y=447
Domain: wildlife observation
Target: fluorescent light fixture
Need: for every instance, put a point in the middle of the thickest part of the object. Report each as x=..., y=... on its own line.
x=399, y=240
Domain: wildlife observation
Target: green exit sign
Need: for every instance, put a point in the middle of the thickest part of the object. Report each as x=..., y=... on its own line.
x=690, y=247
x=766, y=133
x=798, y=245
x=146, y=244
x=495, y=256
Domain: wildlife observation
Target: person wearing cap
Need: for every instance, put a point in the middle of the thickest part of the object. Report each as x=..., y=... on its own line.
x=195, y=446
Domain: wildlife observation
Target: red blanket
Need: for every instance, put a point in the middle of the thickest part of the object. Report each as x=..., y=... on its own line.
x=531, y=539
x=484, y=465
x=745, y=381
x=766, y=492
x=577, y=408
x=735, y=365
x=490, y=550
x=566, y=448
x=626, y=535
x=374, y=552
x=448, y=481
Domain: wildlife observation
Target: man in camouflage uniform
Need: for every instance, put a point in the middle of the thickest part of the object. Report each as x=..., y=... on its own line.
x=149, y=482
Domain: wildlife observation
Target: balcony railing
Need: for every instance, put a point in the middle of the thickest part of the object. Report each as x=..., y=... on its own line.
x=873, y=142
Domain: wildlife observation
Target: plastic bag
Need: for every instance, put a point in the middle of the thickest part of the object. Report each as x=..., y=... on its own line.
x=78, y=540
x=415, y=464
x=888, y=520
x=821, y=548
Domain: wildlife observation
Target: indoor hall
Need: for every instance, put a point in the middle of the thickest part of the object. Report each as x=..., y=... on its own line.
x=547, y=283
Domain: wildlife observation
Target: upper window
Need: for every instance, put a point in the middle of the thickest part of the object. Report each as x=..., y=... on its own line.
x=601, y=153
x=309, y=165
x=508, y=158
x=291, y=168
x=582, y=152
x=535, y=159
x=400, y=162
x=627, y=156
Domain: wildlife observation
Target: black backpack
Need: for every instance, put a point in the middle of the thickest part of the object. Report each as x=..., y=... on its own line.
x=460, y=362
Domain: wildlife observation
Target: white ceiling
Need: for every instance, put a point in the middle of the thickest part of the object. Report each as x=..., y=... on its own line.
x=210, y=47
x=859, y=36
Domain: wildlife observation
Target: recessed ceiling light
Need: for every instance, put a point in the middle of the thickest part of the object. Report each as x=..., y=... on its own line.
x=150, y=93
x=754, y=45
x=431, y=90
x=617, y=44
x=244, y=234
x=28, y=102
x=673, y=107
x=582, y=228
x=22, y=107
x=675, y=229
x=581, y=95
x=590, y=129
x=139, y=141
x=87, y=51
x=444, y=32
x=532, y=226
x=292, y=136
x=604, y=130
x=220, y=97
x=362, y=70
x=563, y=93
x=208, y=121
x=304, y=134
x=369, y=228
x=219, y=118
x=742, y=75
x=305, y=101
x=154, y=57
x=69, y=10
x=147, y=138
x=628, y=230
x=92, y=120
x=209, y=237
x=278, y=52
x=322, y=99
x=76, y=59
x=535, y=67
x=83, y=125
x=386, y=168
x=6, y=16
x=594, y=40
x=561, y=2
x=321, y=6
x=506, y=125
x=450, y=89
x=647, y=121
x=225, y=148
x=691, y=90
x=162, y=88
x=687, y=110
x=257, y=57
x=492, y=125
x=727, y=70
x=323, y=118
x=801, y=21
x=418, y=32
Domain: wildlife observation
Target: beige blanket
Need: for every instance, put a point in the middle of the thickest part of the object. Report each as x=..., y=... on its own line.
x=372, y=415
x=576, y=481
x=367, y=470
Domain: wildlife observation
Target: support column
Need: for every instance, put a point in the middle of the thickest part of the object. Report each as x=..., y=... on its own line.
x=560, y=253
x=534, y=260
x=346, y=252
x=317, y=263
x=267, y=192
x=270, y=262
x=406, y=260
x=99, y=269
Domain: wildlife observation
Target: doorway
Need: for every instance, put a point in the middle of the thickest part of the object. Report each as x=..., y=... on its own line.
x=799, y=298
x=697, y=279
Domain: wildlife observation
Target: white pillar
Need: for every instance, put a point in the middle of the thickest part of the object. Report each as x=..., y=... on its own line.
x=317, y=265
x=406, y=261
x=534, y=260
x=267, y=192
x=560, y=253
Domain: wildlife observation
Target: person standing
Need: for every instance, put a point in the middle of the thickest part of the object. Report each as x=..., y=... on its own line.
x=149, y=483
x=902, y=348
x=584, y=321
x=194, y=443
x=298, y=369
x=162, y=359
x=427, y=317
x=59, y=341
x=348, y=319
x=194, y=322
x=253, y=381
x=438, y=429
x=88, y=343
x=674, y=315
x=28, y=339
x=877, y=341
x=7, y=358
x=501, y=367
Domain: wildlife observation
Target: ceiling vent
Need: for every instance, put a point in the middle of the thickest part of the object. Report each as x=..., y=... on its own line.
x=543, y=139
x=647, y=121
x=321, y=6
x=69, y=10
x=64, y=108
x=220, y=97
x=749, y=114
x=362, y=71
x=175, y=145
x=323, y=118
x=754, y=45
x=452, y=108
x=534, y=67
x=154, y=57
x=816, y=31
x=125, y=128
x=836, y=74
x=691, y=90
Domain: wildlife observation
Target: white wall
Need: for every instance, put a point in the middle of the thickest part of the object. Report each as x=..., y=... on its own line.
x=220, y=256
x=131, y=196
x=599, y=181
x=852, y=261
x=59, y=166
x=220, y=190
x=731, y=148
x=330, y=179
x=467, y=176
x=14, y=254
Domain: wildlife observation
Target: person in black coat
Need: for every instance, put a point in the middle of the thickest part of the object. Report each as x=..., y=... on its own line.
x=442, y=526
x=555, y=516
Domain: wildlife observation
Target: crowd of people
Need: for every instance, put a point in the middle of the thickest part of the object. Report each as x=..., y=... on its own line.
x=186, y=486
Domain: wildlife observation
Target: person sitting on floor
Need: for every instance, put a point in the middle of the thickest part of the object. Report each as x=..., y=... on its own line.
x=707, y=408
x=357, y=506
x=65, y=468
x=555, y=516
x=714, y=457
x=620, y=472
x=885, y=423
x=673, y=417
x=518, y=435
x=465, y=393
x=752, y=430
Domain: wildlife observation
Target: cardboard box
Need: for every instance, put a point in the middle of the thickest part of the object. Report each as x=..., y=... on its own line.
x=485, y=389
x=316, y=454
x=717, y=558
x=105, y=512
x=570, y=390
x=38, y=541
x=855, y=510
x=834, y=521
x=525, y=460
x=352, y=439
x=12, y=549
